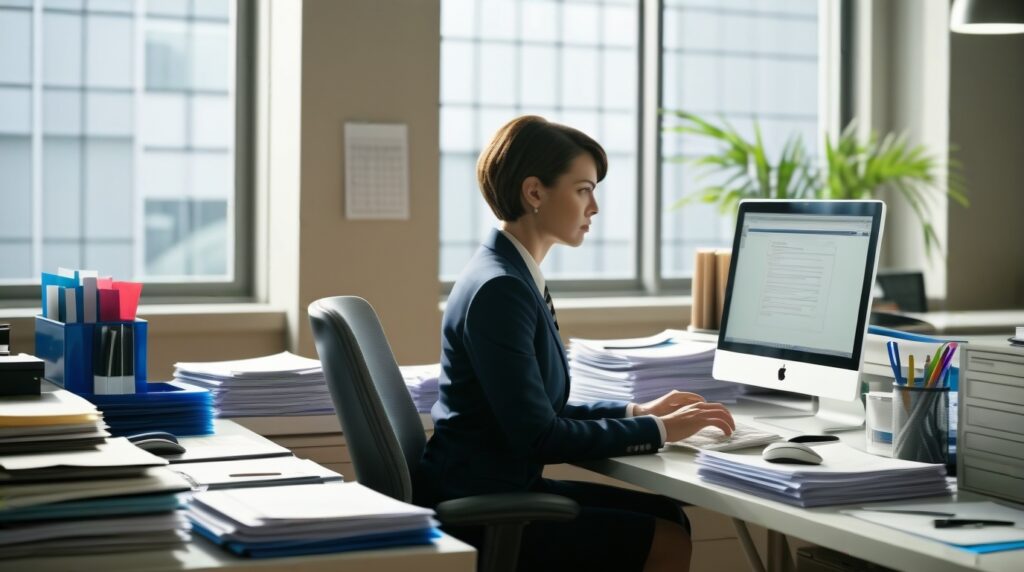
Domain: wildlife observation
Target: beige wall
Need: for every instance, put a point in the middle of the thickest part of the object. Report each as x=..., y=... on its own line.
x=986, y=253
x=371, y=60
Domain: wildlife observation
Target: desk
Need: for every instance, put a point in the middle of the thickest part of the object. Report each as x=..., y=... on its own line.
x=674, y=473
x=446, y=554
x=1000, y=322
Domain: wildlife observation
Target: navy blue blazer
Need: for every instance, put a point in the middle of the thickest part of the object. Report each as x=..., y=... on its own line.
x=502, y=412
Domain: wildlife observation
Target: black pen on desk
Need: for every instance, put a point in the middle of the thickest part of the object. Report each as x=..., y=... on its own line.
x=970, y=522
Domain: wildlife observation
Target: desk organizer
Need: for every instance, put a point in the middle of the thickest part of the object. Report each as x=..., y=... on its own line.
x=66, y=350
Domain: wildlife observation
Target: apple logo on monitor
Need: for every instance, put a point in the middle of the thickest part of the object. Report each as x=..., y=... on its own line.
x=782, y=373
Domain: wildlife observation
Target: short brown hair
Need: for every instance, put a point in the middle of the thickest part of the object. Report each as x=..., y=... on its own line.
x=530, y=146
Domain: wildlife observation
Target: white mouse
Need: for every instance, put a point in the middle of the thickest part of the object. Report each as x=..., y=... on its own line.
x=790, y=453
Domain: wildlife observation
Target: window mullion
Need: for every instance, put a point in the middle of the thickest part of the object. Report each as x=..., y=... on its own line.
x=649, y=175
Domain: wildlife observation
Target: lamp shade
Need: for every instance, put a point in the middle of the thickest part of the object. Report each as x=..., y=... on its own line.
x=987, y=17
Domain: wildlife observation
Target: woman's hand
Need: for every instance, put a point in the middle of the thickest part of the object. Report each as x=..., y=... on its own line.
x=684, y=422
x=667, y=403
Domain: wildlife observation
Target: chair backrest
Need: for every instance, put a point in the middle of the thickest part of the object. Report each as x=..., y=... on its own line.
x=382, y=429
x=905, y=288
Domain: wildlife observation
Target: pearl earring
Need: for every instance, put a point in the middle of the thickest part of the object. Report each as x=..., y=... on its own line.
x=535, y=211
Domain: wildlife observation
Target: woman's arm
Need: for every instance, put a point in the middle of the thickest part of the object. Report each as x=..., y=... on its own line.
x=498, y=333
x=596, y=410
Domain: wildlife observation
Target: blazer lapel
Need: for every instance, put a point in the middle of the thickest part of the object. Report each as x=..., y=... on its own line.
x=503, y=247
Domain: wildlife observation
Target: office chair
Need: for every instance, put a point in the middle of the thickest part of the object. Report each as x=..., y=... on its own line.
x=906, y=290
x=385, y=436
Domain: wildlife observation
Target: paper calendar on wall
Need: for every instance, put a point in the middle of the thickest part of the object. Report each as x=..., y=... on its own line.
x=376, y=171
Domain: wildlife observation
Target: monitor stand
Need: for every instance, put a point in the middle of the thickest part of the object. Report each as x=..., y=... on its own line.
x=830, y=416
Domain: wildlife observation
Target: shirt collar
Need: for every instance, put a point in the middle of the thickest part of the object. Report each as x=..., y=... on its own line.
x=531, y=264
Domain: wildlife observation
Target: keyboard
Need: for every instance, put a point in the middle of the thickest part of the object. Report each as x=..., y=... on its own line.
x=714, y=439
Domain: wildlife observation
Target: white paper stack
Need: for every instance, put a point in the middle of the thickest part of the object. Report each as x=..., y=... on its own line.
x=642, y=369
x=308, y=519
x=240, y=473
x=846, y=475
x=51, y=421
x=114, y=498
x=422, y=382
x=280, y=384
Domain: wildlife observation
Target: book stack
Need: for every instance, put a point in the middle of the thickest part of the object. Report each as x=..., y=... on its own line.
x=308, y=519
x=175, y=407
x=422, y=381
x=49, y=421
x=643, y=369
x=280, y=384
x=112, y=498
x=845, y=475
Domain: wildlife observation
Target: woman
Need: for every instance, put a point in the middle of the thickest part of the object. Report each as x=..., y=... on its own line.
x=502, y=413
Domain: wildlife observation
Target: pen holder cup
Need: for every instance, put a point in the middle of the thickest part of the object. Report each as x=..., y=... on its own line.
x=920, y=423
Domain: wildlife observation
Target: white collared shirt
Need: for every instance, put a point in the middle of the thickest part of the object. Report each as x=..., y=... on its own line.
x=531, y=264
x=538, y=279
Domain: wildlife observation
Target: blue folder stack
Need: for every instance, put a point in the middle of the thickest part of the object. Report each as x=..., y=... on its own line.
x=175, y=407
x=308, y=519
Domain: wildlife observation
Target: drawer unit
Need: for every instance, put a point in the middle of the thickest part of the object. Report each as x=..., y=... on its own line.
x=990, y=458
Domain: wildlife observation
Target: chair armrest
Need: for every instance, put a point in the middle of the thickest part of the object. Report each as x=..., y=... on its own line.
x=505, y=508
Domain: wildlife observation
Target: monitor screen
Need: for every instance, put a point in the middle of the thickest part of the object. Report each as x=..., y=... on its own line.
x=800, y=281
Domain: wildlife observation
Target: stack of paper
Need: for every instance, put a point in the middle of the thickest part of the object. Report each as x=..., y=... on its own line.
x=174, y=407
x=846, y=475
x=281, y=384
x=919, y=519
x=642, y=369
x=51, y=421
x=422, y=383
x=308, y=519
x=112, y=499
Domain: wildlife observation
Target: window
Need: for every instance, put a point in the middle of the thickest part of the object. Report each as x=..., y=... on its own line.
x=118, y=142
x=737, y=61
x=571, y=62
x=579, y=62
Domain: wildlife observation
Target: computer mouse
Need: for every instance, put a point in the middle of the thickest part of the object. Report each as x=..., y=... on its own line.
x=160, y=447
x=790, y=453
x=152, y=435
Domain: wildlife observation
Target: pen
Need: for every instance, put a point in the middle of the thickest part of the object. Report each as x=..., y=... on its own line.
x=255, y=475
x=947, y=357
x=911, y=376
x=894, y=361
x=969, y=523
x=933, y=362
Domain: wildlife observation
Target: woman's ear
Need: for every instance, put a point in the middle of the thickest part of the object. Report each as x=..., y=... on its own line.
x=532, y=193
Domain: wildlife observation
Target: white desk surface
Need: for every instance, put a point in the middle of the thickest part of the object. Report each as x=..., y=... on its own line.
x=1002, y=322
x=673, y=473
x=446, y=554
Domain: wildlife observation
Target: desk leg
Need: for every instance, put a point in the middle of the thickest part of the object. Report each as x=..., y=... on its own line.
x=779, y=559
x=749, y=550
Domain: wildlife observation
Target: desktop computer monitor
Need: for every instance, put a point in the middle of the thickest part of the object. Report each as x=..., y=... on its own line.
x=797, y=304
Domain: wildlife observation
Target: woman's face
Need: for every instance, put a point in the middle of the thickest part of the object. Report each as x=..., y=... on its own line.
x=569, y=203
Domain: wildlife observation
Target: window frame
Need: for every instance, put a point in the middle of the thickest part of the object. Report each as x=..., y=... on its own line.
x=649, y=280
x=242, y=287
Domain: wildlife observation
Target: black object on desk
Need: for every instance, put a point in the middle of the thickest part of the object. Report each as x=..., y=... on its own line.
x=970, y=522
x=20, y=375
x=5, y=339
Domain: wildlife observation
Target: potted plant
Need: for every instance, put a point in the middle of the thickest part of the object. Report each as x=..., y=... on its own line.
x=851, y=168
